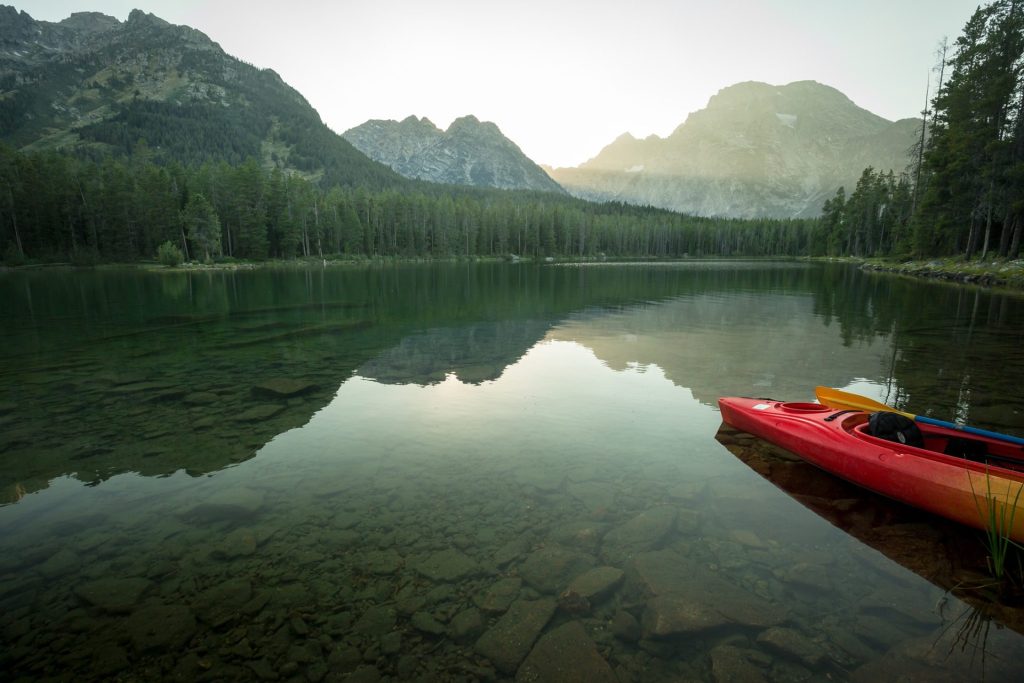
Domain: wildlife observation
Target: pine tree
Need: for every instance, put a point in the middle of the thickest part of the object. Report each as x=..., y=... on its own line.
x=202, y=225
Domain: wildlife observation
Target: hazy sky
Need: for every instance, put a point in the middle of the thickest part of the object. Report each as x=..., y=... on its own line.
x=563, y=78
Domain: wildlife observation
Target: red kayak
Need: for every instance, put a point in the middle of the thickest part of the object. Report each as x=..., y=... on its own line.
x=957, y=478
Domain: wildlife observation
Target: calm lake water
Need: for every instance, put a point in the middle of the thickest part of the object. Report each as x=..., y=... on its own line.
x=481, y=472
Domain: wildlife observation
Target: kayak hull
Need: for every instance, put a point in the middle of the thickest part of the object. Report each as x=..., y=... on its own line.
x=965, y=490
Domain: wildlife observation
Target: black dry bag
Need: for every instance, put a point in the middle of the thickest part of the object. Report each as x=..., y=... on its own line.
x=895, y=427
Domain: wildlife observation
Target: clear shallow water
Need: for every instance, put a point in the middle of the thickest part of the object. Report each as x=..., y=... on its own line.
x=403, y=473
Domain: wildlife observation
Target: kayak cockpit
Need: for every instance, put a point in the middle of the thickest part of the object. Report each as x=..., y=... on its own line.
x=941, y=443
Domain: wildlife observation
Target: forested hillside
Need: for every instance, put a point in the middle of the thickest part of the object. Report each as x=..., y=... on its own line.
x=56, y=207
x=93, y=86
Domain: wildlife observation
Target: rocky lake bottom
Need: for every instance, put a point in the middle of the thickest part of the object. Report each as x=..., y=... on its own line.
x=401, y=570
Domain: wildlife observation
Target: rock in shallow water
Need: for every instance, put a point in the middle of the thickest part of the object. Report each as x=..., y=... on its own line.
x=794, y=644
x=688, y=598
x=228, y=505
x=161, y=627
x=113, y=595
x=283, y=387
x=551, y=568
x=497, y=598
x=447, y=565
x=62, y=562
x=730, y=663
x=466, y=625
x=223, y=602
x=596, y=583
x=238, y=543
x=376, y=621
x=511, y=638
x=568, y=655
x=422, y=621
x=644, y=532
x=259, y=413
x=625, y=627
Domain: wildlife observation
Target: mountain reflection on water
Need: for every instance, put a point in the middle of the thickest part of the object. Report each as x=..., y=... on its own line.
x=461, y=472
x=129, y=372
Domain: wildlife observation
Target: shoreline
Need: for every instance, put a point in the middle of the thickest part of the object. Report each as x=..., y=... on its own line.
x=993, y=274
x=300, y=263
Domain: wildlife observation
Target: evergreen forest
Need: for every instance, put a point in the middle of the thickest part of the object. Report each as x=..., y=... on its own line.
x=963, y=192
x=60, y=207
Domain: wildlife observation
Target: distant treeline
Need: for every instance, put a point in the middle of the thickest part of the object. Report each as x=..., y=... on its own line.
x=963, y=194
x=60, y=207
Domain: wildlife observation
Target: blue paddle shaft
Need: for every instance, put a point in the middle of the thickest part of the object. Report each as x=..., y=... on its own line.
x=969, y=430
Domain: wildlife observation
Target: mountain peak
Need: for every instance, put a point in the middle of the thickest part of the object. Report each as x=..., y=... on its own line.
x=756, y=150
x=470, y=152
x=138, y=18
x=411, y=122
x=90, y=22
x=471, y=125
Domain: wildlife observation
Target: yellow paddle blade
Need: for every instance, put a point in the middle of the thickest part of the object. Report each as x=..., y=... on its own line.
x=834, y=398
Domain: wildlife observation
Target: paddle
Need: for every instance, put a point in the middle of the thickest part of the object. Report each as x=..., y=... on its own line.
x=834, y=398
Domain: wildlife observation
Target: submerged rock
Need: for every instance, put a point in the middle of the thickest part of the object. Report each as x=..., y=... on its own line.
x=222, y=603
x=382, y=562
x=447, y=565
x=238, y=543
x=376, y=621
x=161, y=627
x=109, y=659
x=688, y=598
x=421, y=621
x=806, y=576
x=500, y=595
x=625, y=626
x=466, y=625
x=568, y=655
x=730, y=663
x=282, y=387
x=794, y=644
x=259, y=413
x=595, y=496
x=113, y=595
x=597, y=582
x=228, y=505
x=512, y=550
x=573, y=603
x=551, y=568
x=508, y=642
x=583, y=534
x=200, y=398
x=62, y=562
x=644, y=532
x=670, y=615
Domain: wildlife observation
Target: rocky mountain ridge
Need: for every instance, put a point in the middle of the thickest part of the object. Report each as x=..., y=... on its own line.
x=91, y=82
x=757, y=150
x=470, y=152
